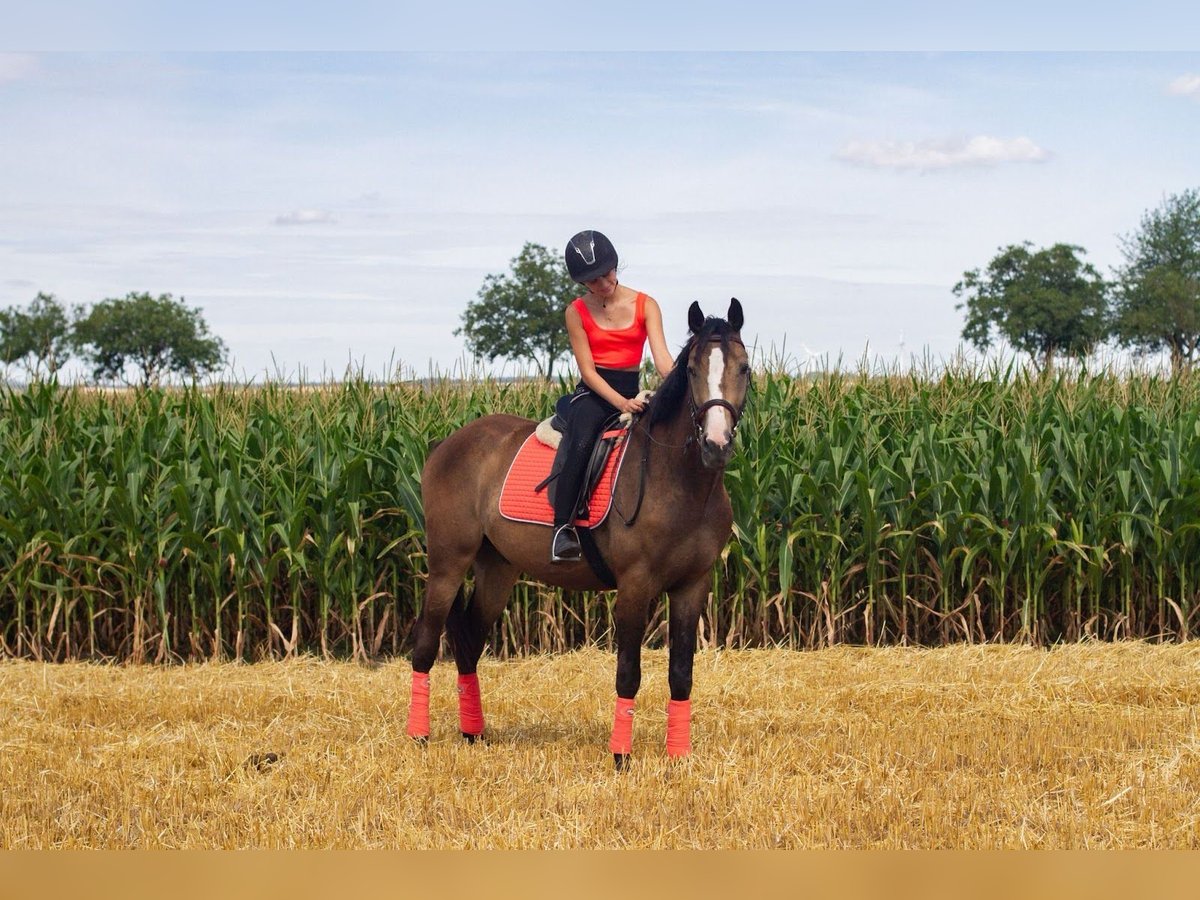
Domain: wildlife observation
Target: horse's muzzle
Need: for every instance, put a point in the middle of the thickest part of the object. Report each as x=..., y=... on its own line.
x=716, y=424
x=715, y=455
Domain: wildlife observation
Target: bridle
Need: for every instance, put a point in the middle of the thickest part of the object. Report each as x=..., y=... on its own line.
x=698, y=412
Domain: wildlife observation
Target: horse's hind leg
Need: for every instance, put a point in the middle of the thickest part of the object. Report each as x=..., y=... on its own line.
x=447, y=567
x=469, y=622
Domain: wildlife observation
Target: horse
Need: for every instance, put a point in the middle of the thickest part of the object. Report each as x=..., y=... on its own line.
x=681, y=521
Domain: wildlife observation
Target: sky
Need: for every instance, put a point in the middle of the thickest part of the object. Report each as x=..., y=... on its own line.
x=330, y=207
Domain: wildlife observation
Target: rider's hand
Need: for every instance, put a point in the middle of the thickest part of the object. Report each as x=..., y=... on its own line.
x=633, y=405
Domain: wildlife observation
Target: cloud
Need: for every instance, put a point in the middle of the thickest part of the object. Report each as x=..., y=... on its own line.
x=16, y=66
x=306, y=217
x=946, y=153
x=1185, y=85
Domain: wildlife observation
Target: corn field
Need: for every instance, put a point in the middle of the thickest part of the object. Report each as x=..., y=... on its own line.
x=253, y=522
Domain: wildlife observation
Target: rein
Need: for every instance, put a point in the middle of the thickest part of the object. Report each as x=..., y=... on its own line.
x=641, y=495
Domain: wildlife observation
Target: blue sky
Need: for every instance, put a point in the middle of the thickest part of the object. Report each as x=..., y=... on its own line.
x=333, y=207
x=517, y=25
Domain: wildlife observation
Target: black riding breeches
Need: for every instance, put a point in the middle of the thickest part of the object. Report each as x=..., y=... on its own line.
x=588, y=415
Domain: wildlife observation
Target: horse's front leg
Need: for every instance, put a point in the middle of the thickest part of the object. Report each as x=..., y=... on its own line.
x=686, y=605
x=630, y=615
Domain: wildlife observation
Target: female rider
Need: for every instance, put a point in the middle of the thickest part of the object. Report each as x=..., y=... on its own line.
x=608, y=327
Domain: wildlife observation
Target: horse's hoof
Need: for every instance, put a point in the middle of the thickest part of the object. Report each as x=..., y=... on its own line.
x=620, y=762
x=472, y=738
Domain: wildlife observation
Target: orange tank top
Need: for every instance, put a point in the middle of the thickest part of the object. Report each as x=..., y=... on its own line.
x=615, y=348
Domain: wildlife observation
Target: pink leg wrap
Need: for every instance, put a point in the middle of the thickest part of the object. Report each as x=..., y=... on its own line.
x=418, y=708
x=470, y=708
x=622, y=733
x=679, y=728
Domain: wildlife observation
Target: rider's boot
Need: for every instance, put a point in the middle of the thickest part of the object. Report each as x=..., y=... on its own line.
x=565, y=546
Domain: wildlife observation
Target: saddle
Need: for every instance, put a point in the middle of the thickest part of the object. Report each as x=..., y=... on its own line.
x=525, y=497
x=550, y=432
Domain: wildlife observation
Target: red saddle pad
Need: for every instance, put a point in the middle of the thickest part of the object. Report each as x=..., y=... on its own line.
x=518, y=501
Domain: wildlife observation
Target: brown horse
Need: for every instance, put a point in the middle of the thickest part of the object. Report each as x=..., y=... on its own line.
x=673, y=479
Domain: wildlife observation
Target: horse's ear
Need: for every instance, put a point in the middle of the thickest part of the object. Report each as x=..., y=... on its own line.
x=695, y=318
x=735, y=317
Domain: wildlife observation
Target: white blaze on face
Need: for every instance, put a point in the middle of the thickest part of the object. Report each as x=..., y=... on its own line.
x=714, y=418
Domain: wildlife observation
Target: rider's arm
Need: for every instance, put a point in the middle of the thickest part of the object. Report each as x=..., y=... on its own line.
x=658, y=343
x=587, y=366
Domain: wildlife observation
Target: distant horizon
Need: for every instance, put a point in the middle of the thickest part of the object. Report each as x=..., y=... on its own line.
x=1106, y=360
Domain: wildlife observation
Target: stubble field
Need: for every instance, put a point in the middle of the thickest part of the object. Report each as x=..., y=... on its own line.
x=1087, y=745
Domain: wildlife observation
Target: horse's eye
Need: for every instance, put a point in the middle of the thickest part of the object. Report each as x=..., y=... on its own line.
x=745, y=369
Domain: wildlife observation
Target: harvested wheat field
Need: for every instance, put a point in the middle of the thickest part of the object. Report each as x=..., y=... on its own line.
x=966, y=746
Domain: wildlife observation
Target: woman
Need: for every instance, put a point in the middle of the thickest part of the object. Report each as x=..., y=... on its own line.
x=608, y=327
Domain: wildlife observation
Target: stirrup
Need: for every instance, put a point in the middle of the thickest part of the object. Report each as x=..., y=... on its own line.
x=565, y=546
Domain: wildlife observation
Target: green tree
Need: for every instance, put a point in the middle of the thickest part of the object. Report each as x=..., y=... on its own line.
x=519, y=315
x=1041, y=302
x=37, y=337
x=1158, y=289
x=156, y=335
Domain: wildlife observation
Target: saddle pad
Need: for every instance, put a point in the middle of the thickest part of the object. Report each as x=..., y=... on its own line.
x=532, y=464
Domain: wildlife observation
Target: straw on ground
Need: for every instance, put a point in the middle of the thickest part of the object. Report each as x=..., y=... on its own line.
x=964, y=746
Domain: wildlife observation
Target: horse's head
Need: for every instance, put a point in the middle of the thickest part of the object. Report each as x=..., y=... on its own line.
x=718, y=377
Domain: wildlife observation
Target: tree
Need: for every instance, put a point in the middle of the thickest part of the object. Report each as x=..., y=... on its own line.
x=1041, y=302
x=158, y=335
x=520, y=315
x=1158, y=289
x=37, y=337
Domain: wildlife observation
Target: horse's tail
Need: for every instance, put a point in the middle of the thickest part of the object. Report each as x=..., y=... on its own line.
x=465, y=639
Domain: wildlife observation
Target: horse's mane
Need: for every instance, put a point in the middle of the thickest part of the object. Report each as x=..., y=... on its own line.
x=669, y=397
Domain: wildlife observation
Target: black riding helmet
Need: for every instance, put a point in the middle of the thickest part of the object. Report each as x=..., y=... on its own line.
x=589, y=255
